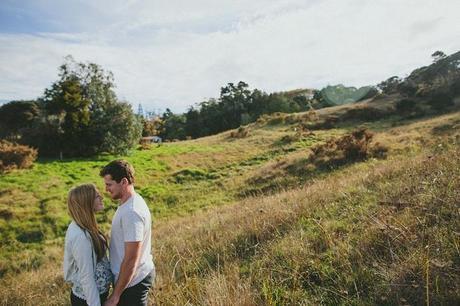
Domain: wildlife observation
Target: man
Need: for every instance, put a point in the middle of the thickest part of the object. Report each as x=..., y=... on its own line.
x=130, y=243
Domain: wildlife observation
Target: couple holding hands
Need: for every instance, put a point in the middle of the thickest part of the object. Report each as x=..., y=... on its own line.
x=86, y=261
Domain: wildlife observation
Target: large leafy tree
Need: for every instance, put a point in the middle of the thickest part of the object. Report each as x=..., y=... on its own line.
x=83, y=115
x=173, y=126
x=65, y=100
x=235, y=100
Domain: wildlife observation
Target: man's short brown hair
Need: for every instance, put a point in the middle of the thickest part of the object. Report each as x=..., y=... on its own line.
x=119, y=169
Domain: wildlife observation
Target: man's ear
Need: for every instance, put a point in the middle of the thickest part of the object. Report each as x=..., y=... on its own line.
x=124, y=181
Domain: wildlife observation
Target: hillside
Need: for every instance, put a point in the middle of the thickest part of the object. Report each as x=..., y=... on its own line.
x=248, y=217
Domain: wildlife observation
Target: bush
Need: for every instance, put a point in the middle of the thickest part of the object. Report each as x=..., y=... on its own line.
x=290, y=119
x=312, y=115
x=144, y=146
x=349, y=148
x=329, y=122
x=31, y=236
x=287, y=139
x=276, y=118
x=405, y=106
x=6, y=214
x=186, y=175
x=364, y=114
x=14, y=156
x=242, y=132
x=441, y=100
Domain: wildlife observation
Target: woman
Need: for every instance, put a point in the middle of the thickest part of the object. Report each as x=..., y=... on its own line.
x=86, y=264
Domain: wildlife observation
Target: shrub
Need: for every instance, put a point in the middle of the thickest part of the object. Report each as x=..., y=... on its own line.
x=241, y=132
x=144, y=146
x=293, y=118
x=408, y=88
x=287, y=139
x=6, y=214
x=31, y=236
x=276, y=118
x=308, y=117
x=349, y=148
x=364, y=114
x=14, y=156
x=330, y=122
x=186, y=175
x=405, y=106
x=441, y=100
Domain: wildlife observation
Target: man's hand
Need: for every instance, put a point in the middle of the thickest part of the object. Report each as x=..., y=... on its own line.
x=127, y=269
x=112, y=300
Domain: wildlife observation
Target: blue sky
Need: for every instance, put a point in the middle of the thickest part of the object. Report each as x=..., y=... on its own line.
x=177, y=53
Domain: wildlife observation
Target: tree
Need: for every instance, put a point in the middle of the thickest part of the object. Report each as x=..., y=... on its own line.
x=390, y=85
x=114, y=129
x=438, y=55
x=236, y=105
x=234, y=102
x=440, y=100
x=151, y=126
x=65, y=99
x=194, y=125
x=16, y=117
x=82, y=113
x=173, y=125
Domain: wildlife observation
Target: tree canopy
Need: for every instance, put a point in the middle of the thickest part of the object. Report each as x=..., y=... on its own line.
x=15, y=117
x=237, y=105
x=78, y=115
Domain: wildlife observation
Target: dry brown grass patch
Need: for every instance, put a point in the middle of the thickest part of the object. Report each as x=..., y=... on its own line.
x=15, y=156
x=352, y=147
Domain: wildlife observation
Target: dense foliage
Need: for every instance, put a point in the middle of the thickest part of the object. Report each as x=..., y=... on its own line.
x=237, y=105
x=437, y=83
x=79, y=115
x=16, y=117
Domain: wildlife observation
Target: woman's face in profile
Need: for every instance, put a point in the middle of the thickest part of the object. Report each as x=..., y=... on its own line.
x=98, y=204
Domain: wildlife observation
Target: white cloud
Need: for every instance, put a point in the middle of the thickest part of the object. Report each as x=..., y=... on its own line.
x=175, y=53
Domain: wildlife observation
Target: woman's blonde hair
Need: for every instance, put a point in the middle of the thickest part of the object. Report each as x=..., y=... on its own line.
x=81, y=202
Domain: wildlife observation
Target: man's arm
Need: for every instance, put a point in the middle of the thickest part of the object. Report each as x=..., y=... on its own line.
x=127, y=270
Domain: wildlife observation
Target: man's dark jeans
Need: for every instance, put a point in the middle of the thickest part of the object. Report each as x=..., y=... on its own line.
x=137, y=295
x=76, y=301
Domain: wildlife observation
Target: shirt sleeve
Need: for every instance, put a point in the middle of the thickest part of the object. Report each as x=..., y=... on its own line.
x=83, y=253
x=133, y=227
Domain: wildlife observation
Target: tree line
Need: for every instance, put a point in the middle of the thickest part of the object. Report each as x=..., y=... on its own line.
x=80, y=114
x=436, y=84
x=237, y=105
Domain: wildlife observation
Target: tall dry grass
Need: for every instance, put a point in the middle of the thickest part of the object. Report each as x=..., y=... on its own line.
x=305, y=245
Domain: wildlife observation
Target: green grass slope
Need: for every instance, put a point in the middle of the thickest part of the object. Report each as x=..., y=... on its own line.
x=246, y=218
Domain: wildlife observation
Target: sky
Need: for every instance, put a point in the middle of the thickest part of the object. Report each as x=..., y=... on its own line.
x=176, y=53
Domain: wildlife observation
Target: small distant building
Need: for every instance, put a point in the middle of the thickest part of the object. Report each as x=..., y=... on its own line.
x=151, y=139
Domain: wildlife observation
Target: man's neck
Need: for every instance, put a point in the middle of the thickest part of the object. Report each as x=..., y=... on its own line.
x=127, y=194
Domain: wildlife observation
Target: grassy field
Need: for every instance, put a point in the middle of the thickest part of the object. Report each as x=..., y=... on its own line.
x=249, y=221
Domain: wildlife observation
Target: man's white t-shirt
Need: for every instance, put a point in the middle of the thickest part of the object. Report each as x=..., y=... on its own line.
x=132, y=222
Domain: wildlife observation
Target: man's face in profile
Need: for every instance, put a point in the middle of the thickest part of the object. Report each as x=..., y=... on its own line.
x=113, y=188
